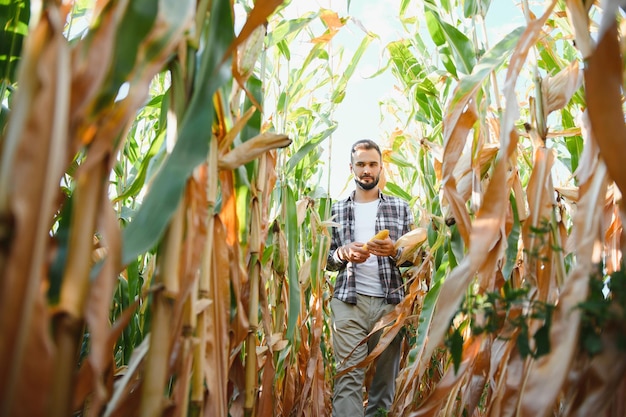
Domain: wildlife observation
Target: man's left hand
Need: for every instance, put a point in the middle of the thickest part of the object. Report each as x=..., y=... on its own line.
x=382, y=247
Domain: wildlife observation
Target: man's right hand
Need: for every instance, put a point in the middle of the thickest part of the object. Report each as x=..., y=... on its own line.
x=353, y=252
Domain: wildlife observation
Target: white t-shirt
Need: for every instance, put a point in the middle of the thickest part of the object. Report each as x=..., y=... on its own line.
x=366, y=273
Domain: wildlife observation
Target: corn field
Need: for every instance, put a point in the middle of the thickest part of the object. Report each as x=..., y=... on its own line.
x=164, y=225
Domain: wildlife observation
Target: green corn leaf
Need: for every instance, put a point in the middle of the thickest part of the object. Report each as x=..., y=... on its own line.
x=309, y=146
x=398, y=191
x=463, y=54
x=490, y=62
x=476, y=7
x=286, y=30
x=542, y=340
x=426, y=316
x=14, y=19
x=139, y=180
x=456, y=348
x=291, y=231
x=434, y=28
x=448, y=61
x=135, y=26
x=338, y=94
x=512, y=242
x=404, y=62
x=574, y=144
x=457, y=247
x=192, y=146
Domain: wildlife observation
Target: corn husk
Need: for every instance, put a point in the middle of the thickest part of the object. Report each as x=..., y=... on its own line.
x=411, y=243
x=252, y=149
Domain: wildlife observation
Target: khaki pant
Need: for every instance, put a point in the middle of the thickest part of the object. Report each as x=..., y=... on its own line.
x=350, y=324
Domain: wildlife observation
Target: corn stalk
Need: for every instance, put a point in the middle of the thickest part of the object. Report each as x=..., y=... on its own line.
x=518, y=237
x=161, y=256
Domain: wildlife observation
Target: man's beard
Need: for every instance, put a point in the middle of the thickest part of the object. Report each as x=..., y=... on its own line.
x=367, y=185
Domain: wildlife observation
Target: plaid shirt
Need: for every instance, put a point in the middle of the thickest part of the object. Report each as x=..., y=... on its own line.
x=393, y=214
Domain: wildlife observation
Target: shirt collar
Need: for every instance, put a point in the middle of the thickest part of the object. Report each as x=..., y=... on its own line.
x=381, y=196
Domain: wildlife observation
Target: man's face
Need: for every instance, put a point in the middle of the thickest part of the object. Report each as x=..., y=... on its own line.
x=366, y=168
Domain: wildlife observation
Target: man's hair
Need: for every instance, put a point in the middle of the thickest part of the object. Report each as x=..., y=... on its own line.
x=366, y=144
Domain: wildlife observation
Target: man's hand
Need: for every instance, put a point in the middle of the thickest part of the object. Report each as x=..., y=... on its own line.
x=382, y=247
x=353, y=252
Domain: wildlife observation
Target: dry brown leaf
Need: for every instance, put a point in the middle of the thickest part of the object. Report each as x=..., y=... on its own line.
x=557, y=90
x=301, y=209
x=247, y=55
x=603, y=83
x=217, y=328
x=612, y=238
x=125, y=397
x=579, y=20
x=289, y=389
x=409, y=379
x=258, y=16
x=454, y=143
x=266, y=398
x=98, y=305
x=540, y=195
x=237, y=272
x=486, y=234
x=333, y=23
x=569, y=193
x=238, y=125
x=468, y=173
x=599, y=384
x=478, y=376
x=29, y=181
x=449, y=385
x=252, y=149
x=269, y=178
x=508, y=373
x=537, y=398
x=313, y=393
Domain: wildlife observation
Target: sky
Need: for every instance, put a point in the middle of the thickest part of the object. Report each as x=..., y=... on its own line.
x=358, y=116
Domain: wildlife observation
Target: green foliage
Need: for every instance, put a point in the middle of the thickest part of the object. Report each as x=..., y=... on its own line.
x=136, y=24
x=14, y=19
x=191, y=147
x=454, y=343
x=415, y=78
x=574, y=144
x=456, y=50
x=292, y=232
x=510, y=313
x=475, y=8
x=381, y=412
x=512, y=241
x=605, y=308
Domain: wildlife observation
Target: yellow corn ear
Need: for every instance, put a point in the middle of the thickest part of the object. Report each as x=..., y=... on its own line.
x=383, y=234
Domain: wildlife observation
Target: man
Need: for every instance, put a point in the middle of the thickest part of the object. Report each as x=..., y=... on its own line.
x=368, y=284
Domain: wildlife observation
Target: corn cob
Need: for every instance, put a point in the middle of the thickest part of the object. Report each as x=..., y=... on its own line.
x=383, y=234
